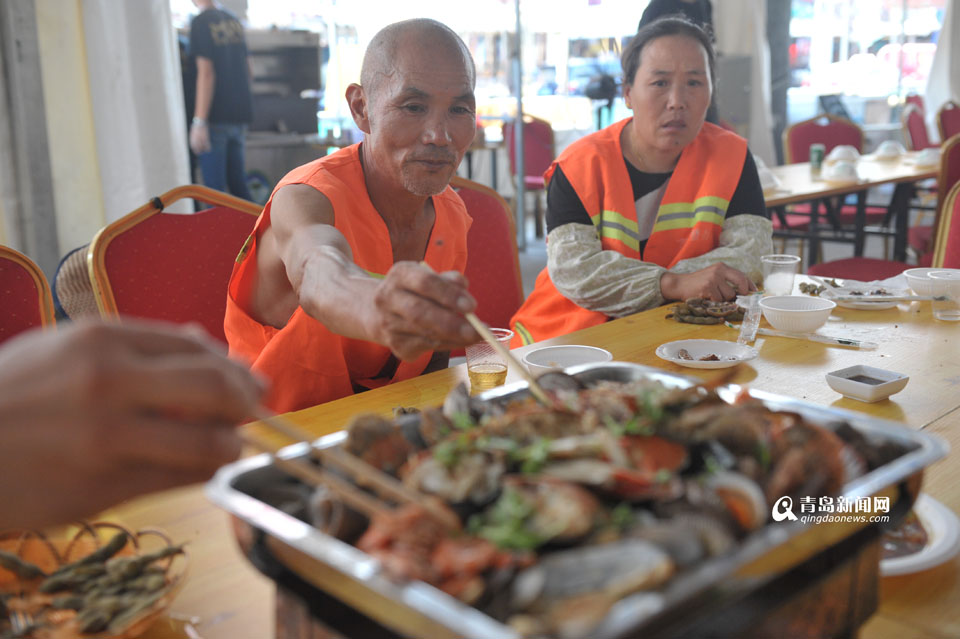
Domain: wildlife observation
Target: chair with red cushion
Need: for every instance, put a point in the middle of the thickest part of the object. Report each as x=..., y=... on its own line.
x=948, y=120
x=27, y=301
x=493, y=266
x=915, y=129
x=538, y=153
x=946, y=254
x=171, y=266
x=920, y=236
x=830, y=131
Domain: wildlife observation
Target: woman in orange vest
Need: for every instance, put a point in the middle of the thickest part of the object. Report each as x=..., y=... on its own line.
x=658, y=207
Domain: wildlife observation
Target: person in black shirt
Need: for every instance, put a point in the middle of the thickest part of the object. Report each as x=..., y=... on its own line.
x=223, y=106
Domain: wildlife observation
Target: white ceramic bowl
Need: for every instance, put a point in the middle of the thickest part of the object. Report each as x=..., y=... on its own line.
x=866, y=383
x=842, y=171
x=549, y=358
x=844, y=152
x=796, y=313
x=890, y=150
x=917, y=280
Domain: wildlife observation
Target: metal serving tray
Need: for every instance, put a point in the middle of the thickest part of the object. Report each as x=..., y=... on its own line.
x=417, y=609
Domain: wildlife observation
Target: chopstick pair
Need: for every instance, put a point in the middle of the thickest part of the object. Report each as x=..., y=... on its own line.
x=362, y=473
x=815, y=337
x=888, y=298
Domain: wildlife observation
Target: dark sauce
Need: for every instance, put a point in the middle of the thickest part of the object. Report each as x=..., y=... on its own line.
x=866, y=379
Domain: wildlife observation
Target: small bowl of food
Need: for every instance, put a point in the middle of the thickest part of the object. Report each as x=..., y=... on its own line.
x=843, y=153
x=796, y=313
x=866, y=383
x=706, y=353
x=918, y=280
x=551, y=358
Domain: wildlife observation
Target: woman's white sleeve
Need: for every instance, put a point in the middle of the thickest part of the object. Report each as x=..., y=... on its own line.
x=600, y=280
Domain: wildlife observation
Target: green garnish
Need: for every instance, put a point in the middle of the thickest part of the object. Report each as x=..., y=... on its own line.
x=763, y=455
x=712, y=465
x=621, y=516
x=462, y=421
x=662, y=476
x=504, y=523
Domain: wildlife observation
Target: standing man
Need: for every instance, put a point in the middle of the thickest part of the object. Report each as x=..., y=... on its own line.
x=223, y=102
x=352, y=278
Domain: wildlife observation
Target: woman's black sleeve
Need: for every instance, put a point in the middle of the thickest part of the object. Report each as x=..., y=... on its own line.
x=748, y=198
x=563, y=203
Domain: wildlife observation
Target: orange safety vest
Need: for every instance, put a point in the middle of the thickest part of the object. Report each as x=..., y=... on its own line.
x=306, y=363
x=688, y=224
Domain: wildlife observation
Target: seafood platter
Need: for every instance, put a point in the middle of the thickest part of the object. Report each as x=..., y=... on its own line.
x=636, y=503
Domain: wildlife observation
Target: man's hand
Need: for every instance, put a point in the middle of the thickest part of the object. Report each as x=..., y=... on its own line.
x=416, y=310
x=96, y=413
x=199, y=137
x=717, y=282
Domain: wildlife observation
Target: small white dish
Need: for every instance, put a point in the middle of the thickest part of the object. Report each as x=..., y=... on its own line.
x=728, y=353
x=796, y=313
x=550, y=358
x=927, y=157
x=866, y=383
x=943, y=539
x=832, y=293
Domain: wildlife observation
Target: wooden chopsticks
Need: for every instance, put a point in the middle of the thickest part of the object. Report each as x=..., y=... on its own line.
x=362, y=473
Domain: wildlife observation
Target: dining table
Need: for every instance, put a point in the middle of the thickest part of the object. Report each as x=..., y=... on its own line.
x=797, y=184
x=225, y=597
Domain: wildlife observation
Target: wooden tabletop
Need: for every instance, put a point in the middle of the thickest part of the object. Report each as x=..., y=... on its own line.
x=798, y=185
x=232, y=600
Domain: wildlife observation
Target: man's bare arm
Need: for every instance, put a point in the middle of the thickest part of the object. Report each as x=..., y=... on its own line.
x=305, y=261
x=199, y=133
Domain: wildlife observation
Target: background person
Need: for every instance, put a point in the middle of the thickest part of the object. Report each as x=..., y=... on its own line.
x=223, y=102
x=352, y=278
x=658, y=207
x=96, y=413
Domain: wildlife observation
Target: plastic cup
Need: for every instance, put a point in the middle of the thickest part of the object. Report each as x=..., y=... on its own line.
x=485, y=368
x=779, y=271
x=946, y=283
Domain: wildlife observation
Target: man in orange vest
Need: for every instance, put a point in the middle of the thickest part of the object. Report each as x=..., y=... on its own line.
x=658, y=207
x=352, y=277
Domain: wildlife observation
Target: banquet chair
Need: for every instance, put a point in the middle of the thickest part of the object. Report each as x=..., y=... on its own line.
x=831, y=131
x=538, y=153
x=920, y=235
x=916, y=100
x=915, y=131
x=493, y=265
x=171, y=266
x=27, y=302
x=946, y=253
x=948, y=120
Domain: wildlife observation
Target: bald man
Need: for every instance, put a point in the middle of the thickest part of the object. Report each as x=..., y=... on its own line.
x=352, y=278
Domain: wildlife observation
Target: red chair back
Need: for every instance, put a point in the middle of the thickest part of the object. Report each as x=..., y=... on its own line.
x=915, y=128
x=171, y=266
x=829, y=130
x=538, y=149
x=27, y=301
x=916, y=100
x=948, y=120
x=493, y=267
x=946, y=253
